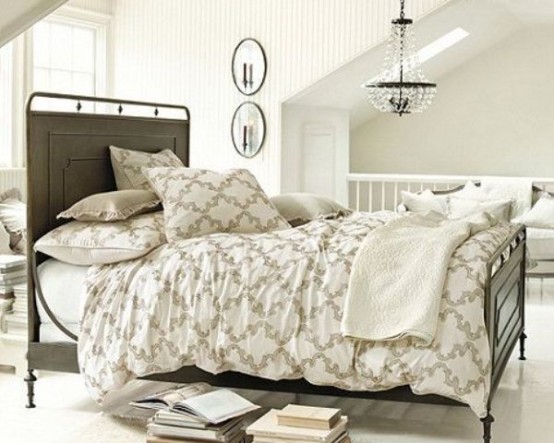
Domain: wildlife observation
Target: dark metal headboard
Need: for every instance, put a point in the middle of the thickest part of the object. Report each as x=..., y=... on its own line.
x=68, y=152
x=68, y=156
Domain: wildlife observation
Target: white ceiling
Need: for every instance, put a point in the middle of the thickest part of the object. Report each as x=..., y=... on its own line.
x=487, y=21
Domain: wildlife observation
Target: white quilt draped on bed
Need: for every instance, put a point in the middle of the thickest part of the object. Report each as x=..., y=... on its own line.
x=271, y=305
x=398, y=277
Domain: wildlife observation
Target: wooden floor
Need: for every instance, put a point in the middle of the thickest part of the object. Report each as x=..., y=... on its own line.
x=523, y=405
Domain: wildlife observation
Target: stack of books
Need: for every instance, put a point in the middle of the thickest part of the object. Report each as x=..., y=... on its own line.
x=196, y=413
x=300, y=424
x=13, y=275
x=17, y=320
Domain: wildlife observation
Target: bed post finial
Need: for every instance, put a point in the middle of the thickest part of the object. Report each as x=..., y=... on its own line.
x=30, y=379
x=487, y=424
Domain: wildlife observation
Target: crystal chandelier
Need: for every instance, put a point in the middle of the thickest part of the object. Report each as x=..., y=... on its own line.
x=401, y=88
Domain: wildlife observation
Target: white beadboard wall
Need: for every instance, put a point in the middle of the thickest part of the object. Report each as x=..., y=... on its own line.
x=101, y=6
x=180, y=51
x=14, y=178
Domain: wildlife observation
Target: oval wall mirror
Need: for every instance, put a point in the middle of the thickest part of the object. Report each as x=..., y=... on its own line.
x=248, y=129
x=249, y=66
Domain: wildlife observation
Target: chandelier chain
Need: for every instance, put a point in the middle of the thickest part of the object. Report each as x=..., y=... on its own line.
x=402, y=4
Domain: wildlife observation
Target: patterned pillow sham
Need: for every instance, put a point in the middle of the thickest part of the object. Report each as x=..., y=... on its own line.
x=96, y=243
x=199, y=202
x=112, y=206
x=127, y=165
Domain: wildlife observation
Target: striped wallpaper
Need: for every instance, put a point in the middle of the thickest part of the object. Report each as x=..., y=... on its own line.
x=101, y=6
x=180, y=51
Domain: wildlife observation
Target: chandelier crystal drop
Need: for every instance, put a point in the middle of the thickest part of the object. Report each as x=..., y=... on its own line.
x=401, y=87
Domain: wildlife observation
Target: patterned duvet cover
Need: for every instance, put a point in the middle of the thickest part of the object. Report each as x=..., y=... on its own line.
x=270, y=305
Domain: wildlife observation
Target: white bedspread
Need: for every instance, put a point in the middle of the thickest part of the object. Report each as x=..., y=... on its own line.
x=271, y=305
x=398, y=278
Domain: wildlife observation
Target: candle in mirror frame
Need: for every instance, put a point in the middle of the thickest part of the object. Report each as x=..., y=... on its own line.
x=244, y=137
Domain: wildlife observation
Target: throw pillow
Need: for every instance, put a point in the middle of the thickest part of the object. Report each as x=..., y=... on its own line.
x=127, y=165
x=112, y=206
x=199, y=202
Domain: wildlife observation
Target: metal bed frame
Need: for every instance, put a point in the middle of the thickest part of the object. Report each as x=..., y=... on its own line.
x=68, y=159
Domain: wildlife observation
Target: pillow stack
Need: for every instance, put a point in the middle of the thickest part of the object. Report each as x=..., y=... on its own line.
x=464, y=203
x=115, y=226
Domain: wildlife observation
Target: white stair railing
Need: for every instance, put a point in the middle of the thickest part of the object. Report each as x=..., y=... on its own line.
x=378, y=192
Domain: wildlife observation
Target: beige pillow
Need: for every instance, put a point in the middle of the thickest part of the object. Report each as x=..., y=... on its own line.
x=200, y=202
x=112, y=206
x=13, y=216
x=127, y=165
x=463, y=207
x=299, y=208
x=96, y=243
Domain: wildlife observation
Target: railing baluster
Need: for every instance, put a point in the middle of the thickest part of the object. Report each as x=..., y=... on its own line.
x=357, y=196
x=383, y=186
x=370, y=209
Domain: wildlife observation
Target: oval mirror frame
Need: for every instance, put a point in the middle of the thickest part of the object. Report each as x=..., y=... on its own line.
x=248, y=129
x=249, y=66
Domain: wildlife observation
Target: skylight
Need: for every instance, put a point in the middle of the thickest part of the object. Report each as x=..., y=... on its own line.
x=436, y=47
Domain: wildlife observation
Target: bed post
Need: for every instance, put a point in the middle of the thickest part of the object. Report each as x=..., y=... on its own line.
x=522, y=338
x=487, y=424
x=30, y=379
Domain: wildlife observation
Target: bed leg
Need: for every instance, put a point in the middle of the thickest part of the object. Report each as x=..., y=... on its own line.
x=487, y=424
x=522, y=338
x=30, y=379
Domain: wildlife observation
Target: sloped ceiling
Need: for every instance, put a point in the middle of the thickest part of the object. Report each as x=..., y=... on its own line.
x=18, y=15
x=487, y=21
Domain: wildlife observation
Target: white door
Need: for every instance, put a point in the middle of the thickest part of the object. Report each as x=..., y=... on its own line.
x=318, y=160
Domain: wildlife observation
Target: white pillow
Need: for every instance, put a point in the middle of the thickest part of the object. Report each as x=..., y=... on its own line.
x=541, y=215
x=519, y=190
x=13, y=217
x=471, y=191
x=463, y=207
x=424, y=202
x=199, y=202
x=96, y=243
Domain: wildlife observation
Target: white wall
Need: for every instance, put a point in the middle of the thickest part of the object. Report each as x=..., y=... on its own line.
x=492, y=116
x=180, y=51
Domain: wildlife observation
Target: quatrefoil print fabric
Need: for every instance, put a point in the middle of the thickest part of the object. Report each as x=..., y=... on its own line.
x=199, y=202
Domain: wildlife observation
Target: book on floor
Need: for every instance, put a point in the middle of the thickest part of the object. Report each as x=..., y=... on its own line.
x=219, y=434
x=308, y=417
x=239, y=438
x=167, y=398
x=10, y=263
x=343, y=438
x=169, y=418
x=216, y=406
x=267, y=427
